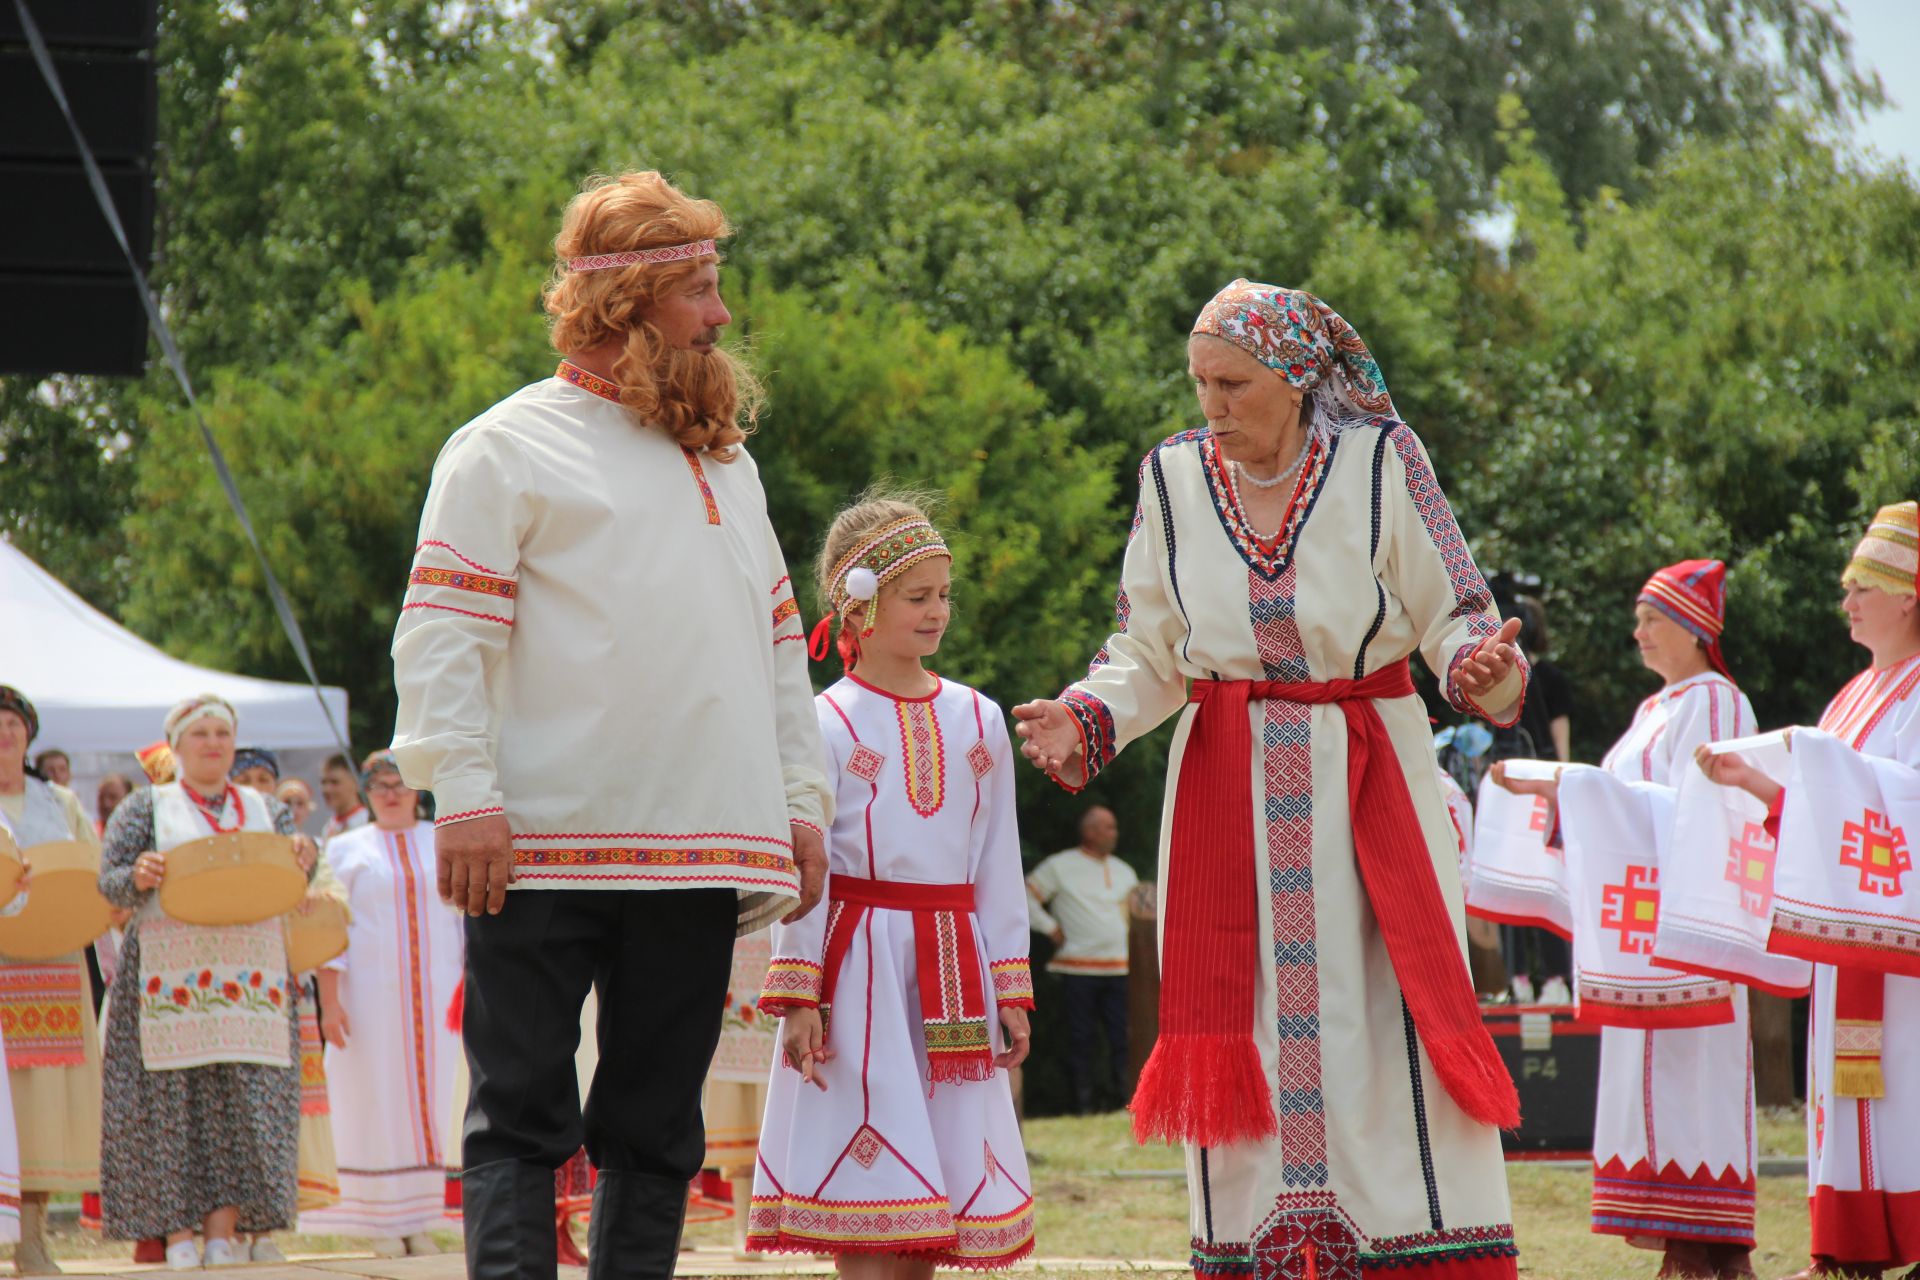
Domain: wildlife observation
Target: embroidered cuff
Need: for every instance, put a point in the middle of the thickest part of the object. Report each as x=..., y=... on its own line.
x=468, y=815
x=1466, y=705
x=791, y=984
x=1012, y=983
x=811, y=826
x=1095, y=721
x=463, y=797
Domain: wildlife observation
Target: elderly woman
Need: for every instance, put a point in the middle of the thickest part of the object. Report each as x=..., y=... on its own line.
x=53, y=1048
x=1863, y=1163
x=391, y=1054
x=202, y=1106
x=1321, y=1052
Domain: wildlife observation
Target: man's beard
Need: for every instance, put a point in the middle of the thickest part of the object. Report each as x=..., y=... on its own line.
x=695, y=394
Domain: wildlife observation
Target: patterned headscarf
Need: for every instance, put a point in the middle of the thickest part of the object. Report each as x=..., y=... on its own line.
x=1306, y=342
x=854, y=586
x=11, y=699
x=378, y=762
x=1694, y=594
x=255, y=757
x=1889, y=556
x=156, y=761
x=205, y=706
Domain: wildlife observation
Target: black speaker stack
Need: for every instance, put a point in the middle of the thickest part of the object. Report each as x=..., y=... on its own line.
x=68, y=303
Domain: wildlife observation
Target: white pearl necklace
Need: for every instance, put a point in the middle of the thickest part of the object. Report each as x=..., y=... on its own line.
x=1292, y=469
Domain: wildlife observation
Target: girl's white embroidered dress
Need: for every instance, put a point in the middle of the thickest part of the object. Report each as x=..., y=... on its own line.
x=1374, y=1164
x=391, y=1088
x=1864, y=1166
x=1673, y=1143
x=882, y=1161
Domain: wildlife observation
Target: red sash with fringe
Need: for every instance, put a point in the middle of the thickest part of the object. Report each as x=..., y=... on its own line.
x=1204, y=1082
x=953, y=999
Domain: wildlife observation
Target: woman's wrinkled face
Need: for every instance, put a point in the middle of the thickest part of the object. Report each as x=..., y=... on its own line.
x=205, y=750
x=258, y=777
x=1879, y=619
x=1666, y=648
x=1248, y=407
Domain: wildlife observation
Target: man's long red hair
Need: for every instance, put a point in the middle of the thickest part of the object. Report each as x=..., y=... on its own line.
x=706, y=401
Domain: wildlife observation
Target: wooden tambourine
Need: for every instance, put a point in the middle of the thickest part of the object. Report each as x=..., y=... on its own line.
x=236, y=877
x=64, y=910
x=316, y=937
x=11, y=868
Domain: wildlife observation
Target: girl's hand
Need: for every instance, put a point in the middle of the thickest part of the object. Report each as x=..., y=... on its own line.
x=149, y=869
x=334, y=1027
x=803, y=1045
x=1013, y=1020
x=1050, y=737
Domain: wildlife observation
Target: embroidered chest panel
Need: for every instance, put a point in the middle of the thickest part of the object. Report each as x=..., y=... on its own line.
x=923, y=756
x=1267, y=557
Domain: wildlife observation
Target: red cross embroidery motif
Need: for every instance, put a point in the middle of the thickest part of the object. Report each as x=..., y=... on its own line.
x=1537, y=820
x=865, y=762
x=1878, y=851
x=1633, y=908
x=1750, y=866
x=979, y=759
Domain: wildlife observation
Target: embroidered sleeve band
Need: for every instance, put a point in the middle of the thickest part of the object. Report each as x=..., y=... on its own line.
x=790, y=984
x=1012, y=984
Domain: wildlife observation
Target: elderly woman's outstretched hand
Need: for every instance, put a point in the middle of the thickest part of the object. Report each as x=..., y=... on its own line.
x=1050, y=737
x=1490, y=663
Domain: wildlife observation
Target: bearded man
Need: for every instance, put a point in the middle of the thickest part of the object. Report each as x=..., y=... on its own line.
x=602, y=678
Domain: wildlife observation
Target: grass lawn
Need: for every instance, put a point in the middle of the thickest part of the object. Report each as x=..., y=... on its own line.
x=1085, y=1211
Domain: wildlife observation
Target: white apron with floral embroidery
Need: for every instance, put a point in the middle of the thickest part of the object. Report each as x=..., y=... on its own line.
x=210, y=993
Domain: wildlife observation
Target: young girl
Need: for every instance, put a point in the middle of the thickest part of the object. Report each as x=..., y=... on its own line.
x=890, y=1139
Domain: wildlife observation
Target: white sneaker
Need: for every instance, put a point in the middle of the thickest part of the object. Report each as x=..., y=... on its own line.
x=1522, y=989
x=390, y=1247
x=184, y=1256
x=1554, y=991
x=265, y=1250
x=224, y=1251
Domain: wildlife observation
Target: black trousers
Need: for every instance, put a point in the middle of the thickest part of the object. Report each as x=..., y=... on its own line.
x=1095, y=1002
x=661, y=960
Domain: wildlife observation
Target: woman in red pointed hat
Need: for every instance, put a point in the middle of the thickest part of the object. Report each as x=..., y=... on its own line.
x=1673, y=1149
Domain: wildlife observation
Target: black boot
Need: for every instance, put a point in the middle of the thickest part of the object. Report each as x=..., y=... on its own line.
x=509, y=1216
x=635, y=1232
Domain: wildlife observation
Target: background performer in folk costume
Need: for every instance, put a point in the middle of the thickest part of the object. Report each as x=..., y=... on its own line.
x=1321, y=1052
x=890, y=1139
x=1673, y=1145
x=1863, y=1044
x=602, y=676
x=201, y=1115
x=52, y=1042
x=391, y=1052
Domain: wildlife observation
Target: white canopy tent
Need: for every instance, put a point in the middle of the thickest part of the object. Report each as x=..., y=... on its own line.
x=102, y=692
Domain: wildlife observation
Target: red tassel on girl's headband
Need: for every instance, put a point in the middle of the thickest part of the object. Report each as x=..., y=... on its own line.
x=821, y=637
x=849, y=647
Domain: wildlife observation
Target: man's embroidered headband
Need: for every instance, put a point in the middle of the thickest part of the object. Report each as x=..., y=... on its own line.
x=876, y=560
x=639, y=257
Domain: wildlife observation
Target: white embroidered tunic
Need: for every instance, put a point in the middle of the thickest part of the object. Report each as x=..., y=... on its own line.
x=1673, y=1147
x=391, y=1089
x=600, y=641
x=1864, y=1165
x=880, y=1162
x=1086, y=898
x=1374, y=1160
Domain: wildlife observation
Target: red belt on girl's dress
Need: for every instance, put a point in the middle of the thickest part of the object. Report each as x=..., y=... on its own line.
x=1204, y=1083
x=953, y=1001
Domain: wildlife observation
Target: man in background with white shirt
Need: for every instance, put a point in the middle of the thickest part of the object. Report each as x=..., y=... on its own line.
x=1078, y=897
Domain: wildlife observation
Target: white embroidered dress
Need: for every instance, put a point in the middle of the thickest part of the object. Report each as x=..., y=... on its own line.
x=1374, y=1165
x=1673, y=1145
x=880, y=1162
x=1864, y=1166
x=594, y=618
x=391, y=1089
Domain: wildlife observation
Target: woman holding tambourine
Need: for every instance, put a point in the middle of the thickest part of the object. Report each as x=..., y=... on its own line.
x=202, y=1101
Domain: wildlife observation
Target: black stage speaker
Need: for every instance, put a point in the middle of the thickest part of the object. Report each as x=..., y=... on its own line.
x=68, y=304
x=1555, y=1062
